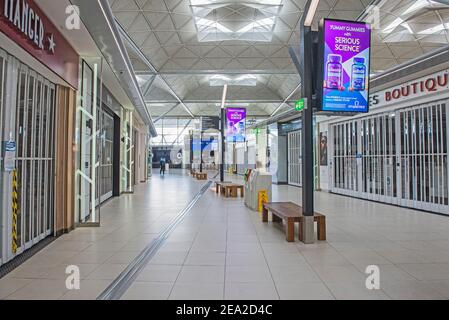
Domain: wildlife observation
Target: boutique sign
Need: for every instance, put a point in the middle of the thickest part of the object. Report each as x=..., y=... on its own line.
x=28, y=26
x=344, y=66
x=431, y=84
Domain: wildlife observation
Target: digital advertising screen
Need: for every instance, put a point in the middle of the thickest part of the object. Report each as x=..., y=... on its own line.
x=345, y=65
x=235, y=124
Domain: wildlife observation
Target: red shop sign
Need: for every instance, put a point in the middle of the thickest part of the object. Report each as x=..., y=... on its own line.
x=27, y=25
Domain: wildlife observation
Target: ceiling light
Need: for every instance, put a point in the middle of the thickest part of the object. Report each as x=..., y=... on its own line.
x=311, y=13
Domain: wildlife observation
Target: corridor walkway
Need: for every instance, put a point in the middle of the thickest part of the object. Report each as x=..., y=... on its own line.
x=222, y=250
x=128, y=224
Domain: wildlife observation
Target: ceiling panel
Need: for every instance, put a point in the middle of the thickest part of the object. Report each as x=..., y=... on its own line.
x=166, y=31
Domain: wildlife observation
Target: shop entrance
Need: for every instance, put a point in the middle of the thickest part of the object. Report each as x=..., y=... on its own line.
x=398, y=157
x=294, y=158
x=107, y=159
x=28, y=112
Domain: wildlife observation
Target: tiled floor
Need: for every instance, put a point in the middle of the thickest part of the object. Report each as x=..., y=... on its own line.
x=129, y=223
x=222, y=250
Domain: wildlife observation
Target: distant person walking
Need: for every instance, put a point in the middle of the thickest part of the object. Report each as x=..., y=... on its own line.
x=162, y=163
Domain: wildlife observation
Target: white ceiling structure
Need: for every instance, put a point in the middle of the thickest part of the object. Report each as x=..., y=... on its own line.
x=184, y=49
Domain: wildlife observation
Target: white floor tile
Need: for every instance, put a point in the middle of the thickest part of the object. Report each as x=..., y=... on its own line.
x=148, y=291
x=197, y=291
x=303, y=291
x=250, y=291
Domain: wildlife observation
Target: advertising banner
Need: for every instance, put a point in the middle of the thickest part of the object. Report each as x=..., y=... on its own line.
x=235, y=124
x=346, y=66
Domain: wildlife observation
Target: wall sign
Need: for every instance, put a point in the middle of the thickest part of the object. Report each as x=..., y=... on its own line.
x=235, y=124
x=300, y=104
x=9, y=154
x=345, y=66
x=430, y=84
x=210, y=123
x=28, y=26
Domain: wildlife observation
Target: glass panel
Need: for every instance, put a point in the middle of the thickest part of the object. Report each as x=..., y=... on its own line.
x=107, y=145
x=88, y=182
x=50, y=164
x=36, y=176
x=20, y=113
x=29, y=143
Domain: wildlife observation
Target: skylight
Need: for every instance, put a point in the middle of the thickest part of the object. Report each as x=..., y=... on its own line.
x=247, y=20
x=419, y=4
x=209, y=2
x=262, y=24
x=393, y=25
x=241, y=80
x=205, y=25
x=435, y=29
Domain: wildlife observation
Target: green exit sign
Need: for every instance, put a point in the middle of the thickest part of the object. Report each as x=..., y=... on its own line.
x=255, y=131
x=299, y=105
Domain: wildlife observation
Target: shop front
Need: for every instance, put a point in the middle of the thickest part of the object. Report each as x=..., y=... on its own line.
x=399, y=153
x=38, y=79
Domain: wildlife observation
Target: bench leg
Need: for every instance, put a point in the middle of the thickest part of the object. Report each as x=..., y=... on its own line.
x=264, y=215
x=290, y=230
x=321, y=232
x=216, y=188
x=300, y=230
x=242, y=193
x=276, y=218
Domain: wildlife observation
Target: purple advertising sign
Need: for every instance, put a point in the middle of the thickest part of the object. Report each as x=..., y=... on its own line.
x=346, y=66
x=235, y=124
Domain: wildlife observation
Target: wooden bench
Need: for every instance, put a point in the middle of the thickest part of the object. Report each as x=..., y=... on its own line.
x=291, y=213
x=229, y=189
x=201, y=176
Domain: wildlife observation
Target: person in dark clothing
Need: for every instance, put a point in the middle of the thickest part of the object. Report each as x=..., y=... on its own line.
x=162, y=163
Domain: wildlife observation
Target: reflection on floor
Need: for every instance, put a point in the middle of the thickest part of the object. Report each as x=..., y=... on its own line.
x=221, y=250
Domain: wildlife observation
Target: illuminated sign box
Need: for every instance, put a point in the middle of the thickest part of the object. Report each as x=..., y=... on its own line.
x=235, y=124
x=344, y=66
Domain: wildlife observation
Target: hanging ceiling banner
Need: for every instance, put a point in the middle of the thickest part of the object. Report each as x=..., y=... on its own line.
x=344, y=66
x=235, y=124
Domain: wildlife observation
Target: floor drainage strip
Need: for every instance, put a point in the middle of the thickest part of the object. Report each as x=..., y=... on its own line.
x=119, y=286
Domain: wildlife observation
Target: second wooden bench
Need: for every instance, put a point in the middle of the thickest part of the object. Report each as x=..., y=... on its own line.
x=229, y=189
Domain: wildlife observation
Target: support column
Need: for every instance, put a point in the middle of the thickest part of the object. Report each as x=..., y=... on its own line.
x=223, y=128
x=223, y=124
x=307, y=133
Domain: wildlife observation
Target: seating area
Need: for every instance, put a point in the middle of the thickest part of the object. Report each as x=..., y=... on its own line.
x=292, y=213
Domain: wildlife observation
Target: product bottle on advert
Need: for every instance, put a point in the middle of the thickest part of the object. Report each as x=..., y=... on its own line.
x=358, y=74
x=334, y=72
